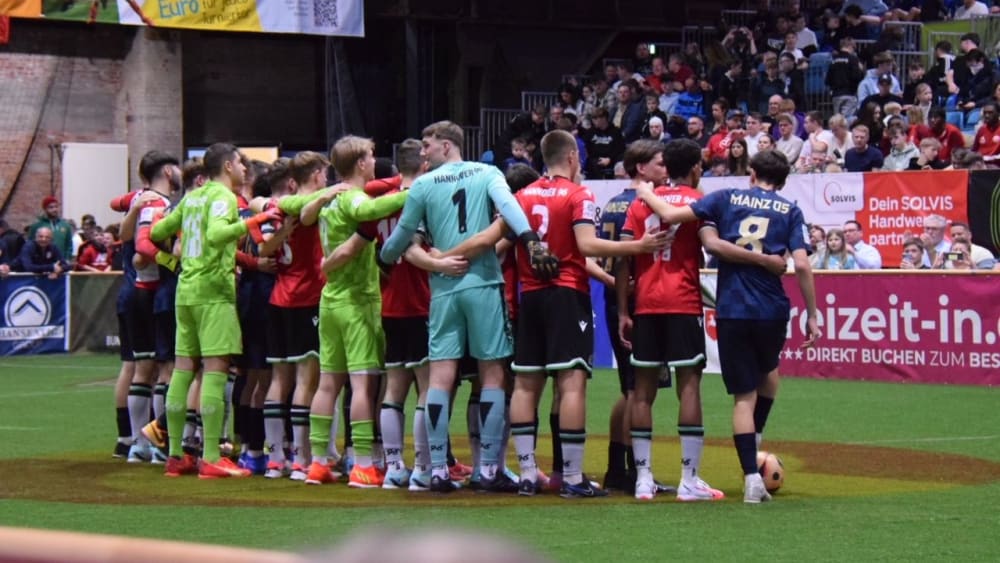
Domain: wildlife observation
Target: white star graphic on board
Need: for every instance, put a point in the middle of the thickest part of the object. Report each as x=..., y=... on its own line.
x=798, y=354
x=788, y=354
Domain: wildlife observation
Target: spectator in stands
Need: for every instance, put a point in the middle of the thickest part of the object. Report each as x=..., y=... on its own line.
x=60, y=230
x=873, y=10
x=765, y=143
x=793, y=78
x=815, y=132
x=652, y=110
x=788, y=142
x=870, y=115
x=935, y=244
x=82, y=234
x=589, y=98
x=732, y=85
x=717, y=168
x=915, y=76
x=12, y=240
x=738, y=159
x=965, y=159
x=610, y=74
x=835, y=255
x=842, y=141
x=843, y=77
x=604, y=97
x=719, y=109
x=754, y=132
x=655, y=130
x=928, y=157
x=854, y=24
x=977, y=83
x=913, y=254
x=970, y=9
x=885, y=143
x=773, y=111
x=41, y=255
x=788, y=106
x=114, y=247
x=657, y=80
x=923, y=101
x=765, y=87
x=518, y=154
x=884, y=94
x=718, y=144
x=865, y=255
x=981, y=257
x=950, y=136
x=968, y=43
x=833, y=32
x=569, y=99
x=95, y=254
x=902, y=151
x=679, y=70
x=817, y=238
x=568, y=123
x=626, y=72
x=643, y=61
x=696, y=131
x=529, y=126
x=605, y=147
x=620, y=173
x=791, y=46
x=776, y=38
x=957, y=258
x=691, y=102
x=628, y=117
x=987, y=139
x=741, y=46
x=814, y=157
x=883, y=66
x=863, y=157
x=805, y=37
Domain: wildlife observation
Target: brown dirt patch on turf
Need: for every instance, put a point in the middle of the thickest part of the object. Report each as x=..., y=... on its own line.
x=90, y=479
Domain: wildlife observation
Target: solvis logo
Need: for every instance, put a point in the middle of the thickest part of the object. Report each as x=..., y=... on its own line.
x=837, y=195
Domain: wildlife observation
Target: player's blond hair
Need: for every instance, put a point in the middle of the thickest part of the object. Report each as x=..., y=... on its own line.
x=347, y=151
x=305, y=164
x=446, y=131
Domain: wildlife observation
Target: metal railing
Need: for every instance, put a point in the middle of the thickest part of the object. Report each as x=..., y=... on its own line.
x=912, y=33
x=700, y=34
x=738, y=18
x=472, y=146
x=493, y=122
x=530, y=99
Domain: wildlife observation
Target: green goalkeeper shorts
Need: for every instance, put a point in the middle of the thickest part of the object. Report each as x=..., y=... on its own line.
x=206, y=331
x=351, y=338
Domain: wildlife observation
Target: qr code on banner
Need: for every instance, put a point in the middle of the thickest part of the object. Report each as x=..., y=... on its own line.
x=325, y=13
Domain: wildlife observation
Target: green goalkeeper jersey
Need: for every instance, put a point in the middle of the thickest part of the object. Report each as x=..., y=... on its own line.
x=209, y=223
x=357, y=281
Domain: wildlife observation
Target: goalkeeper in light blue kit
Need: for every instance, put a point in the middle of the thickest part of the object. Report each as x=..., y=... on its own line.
x=454, y=201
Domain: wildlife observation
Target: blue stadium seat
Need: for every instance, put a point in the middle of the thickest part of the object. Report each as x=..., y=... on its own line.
x=956, y=118
x=487, y=157
x=972, y=118
x=819, y=64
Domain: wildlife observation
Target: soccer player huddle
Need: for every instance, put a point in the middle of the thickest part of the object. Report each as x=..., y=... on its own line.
x=376, y=285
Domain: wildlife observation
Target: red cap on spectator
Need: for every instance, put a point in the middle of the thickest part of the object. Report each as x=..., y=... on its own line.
x=49, y=200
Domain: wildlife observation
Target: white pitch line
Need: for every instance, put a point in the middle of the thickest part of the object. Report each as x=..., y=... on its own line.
x=923, y=440
x=49, y=393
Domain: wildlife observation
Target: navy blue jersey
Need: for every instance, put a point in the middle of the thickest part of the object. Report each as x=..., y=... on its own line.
x=128, y=276
x=758, y=220
x=610, y=224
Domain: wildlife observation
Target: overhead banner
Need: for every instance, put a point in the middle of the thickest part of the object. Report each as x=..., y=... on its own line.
x=927, y=328
x=34, y=315
x=896, y=204
x=316, y=17
x=890, y=206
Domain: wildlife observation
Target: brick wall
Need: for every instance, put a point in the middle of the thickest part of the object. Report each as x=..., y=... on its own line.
x=59, y=84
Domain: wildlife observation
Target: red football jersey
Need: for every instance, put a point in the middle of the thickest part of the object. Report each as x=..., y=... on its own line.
x=148, y=277
x=667, y=281
x=407, y=292
x=554, y=205
x=300, y=279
